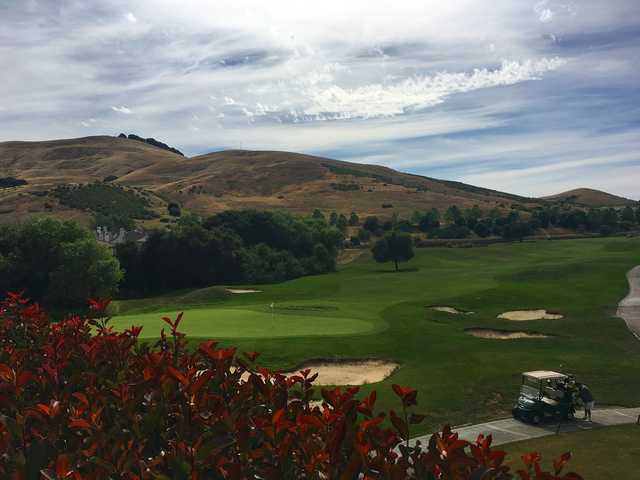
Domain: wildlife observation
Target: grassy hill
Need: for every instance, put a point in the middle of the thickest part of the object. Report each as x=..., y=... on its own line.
x=224, y=180
x=589, y=197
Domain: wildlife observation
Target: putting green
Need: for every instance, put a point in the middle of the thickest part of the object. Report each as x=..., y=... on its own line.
x=243, y=323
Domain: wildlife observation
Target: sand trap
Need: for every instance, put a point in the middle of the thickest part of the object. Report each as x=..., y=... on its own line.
x=451, y=310
x=350, y=372
x=525, y=315
x=502, y=334
x=242, y=290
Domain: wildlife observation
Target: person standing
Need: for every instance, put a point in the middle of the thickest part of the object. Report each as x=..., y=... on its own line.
x=587, y=400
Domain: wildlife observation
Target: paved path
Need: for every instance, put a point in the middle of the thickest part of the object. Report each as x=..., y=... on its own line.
x=510, y=430
x=629, y=307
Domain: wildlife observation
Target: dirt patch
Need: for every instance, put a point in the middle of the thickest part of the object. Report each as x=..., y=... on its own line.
x=349, y=255
x=451, y=310
x=349, y=372
x=526, y=315
x=242, y=290
x=503, y=334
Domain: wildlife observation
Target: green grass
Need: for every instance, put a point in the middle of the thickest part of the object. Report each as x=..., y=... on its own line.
x=603, y=453
x=461, y=379
x=247, y=323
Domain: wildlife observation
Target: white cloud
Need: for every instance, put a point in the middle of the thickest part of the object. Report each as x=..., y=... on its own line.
x=420, y=92
x=131, y=17
x=122, y=109
x=545, y=15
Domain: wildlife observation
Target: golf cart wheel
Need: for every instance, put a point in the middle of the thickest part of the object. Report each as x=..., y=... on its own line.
x=536, y=419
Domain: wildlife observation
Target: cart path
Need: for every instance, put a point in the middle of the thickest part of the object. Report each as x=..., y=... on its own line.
x=629, y=306
x=511, y=430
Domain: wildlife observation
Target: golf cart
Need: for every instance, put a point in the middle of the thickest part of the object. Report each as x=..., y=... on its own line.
x=543, y=395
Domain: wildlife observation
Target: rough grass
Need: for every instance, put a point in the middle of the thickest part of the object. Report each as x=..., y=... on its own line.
x=603, y=453
x=462, y=379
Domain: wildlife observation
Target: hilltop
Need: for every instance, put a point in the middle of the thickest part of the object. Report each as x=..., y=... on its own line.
x=589, y=197
x=218, y=181
x=35, y=177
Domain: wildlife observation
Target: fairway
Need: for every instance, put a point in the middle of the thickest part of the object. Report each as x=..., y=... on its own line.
x=243, y=323
x=365, y=310
x=607, y=453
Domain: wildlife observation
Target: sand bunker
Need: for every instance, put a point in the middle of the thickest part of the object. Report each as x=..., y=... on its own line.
x=357, y=372
x=451, y=310
x=502, y=334
x=525, y=315
x=348, y=372
x=242, y=290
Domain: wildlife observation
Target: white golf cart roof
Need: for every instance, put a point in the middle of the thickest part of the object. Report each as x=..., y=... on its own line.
x=544, y=375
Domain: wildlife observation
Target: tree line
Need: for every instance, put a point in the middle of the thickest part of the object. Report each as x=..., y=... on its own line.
x=246, y=246
x=60, y=264
x=457, y=223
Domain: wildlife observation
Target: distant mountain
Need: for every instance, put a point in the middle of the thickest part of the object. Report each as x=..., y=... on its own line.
x=223, y=180
x=589, y=197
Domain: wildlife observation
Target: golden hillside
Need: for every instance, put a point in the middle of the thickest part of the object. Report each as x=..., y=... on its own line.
x=589, y=197
x=229, y=179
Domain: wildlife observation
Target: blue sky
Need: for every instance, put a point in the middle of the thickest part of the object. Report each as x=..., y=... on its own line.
x=530, y=97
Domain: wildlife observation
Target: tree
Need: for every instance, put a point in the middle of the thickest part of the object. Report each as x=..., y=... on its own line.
x=174, y=209
x=372, y=224
x=57, y=263
x=395, y=247
x=333, y=218
x=364, y=235
x=628, y=215
x=429, y=221
x=341, y=223
x=454, y=215
x=354, y=220
x=318, y=215
x=472, y=216
x=86, y=270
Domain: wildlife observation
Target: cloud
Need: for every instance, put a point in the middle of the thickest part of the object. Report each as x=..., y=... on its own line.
x=418, y=85
x=420, y=92
x=122, y=109
x=546, y=15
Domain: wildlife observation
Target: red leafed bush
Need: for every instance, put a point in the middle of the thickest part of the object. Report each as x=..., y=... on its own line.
x=81, y=401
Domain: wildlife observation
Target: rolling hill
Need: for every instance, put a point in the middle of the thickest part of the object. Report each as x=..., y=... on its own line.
x=589, y=197
x=218, y=181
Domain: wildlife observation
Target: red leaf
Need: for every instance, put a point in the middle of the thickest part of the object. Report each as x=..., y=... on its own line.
x=80, y=423
x=178, y=375
x=168, y=321
x=62, y=467
x=81, y=397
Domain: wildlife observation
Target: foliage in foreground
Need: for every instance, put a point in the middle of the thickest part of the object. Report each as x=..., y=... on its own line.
x=79, y=400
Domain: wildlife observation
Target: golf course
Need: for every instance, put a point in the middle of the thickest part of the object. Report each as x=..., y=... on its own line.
x=365, y=310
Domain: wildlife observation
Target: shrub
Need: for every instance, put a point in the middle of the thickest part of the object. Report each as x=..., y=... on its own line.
x=372, y=224
x=79, y=400
x=451, y=231
x=8, y=182
x=112, y=205
x=174, y=209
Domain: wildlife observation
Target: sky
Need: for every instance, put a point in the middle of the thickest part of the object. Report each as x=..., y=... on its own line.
x=529, y=97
